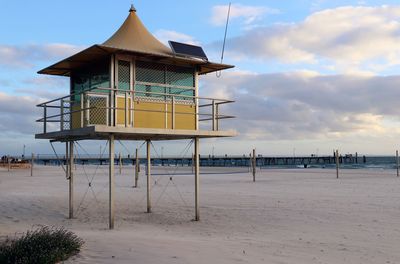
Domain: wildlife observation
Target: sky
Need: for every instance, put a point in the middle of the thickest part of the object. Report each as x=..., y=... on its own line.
x=311, y=75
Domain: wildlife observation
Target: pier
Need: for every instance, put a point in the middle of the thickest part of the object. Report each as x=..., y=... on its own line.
x=205, y=160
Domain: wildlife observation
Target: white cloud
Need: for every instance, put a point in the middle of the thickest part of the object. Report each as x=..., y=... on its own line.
x=27, y=55
x=305, y=105
x=18, y=114
x=352, y=39
x=249, y=14
x=166, y=35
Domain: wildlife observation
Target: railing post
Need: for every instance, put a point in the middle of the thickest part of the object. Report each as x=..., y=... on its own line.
x=217, y=116
x=62, y=115
x=126, y=108
x=44, y=119
x=87, y=114
x=173, y=112
x=213, y=116
x=82, y=107
x=132, y=108
x=115, y=110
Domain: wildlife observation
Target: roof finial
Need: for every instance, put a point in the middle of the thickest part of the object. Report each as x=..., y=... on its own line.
x=132, y=9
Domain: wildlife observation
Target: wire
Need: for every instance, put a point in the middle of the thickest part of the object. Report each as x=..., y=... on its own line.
x=54, y=150
x=123, y=145
x=218, y=73
x=182, y=154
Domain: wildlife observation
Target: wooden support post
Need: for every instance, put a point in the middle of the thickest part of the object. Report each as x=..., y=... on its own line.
x=137, y=168
x=44, y=119
x=337, y=163
x=8, y=162
x=32, y=162
x=67, y=161
x=196, y=177
x=71, y=179
x=173, y=113
x=148, y=172
x=120, y=163
x=254, y=165
x=192, y=163
x=397, y=162
x=111, y=182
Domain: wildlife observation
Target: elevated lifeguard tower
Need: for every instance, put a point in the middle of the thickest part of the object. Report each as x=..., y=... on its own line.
x=133, y=87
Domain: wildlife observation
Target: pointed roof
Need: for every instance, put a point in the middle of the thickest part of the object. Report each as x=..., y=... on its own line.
x=131, y=38
x=134, y=36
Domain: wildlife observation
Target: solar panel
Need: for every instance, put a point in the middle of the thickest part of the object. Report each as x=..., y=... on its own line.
x=188, y=50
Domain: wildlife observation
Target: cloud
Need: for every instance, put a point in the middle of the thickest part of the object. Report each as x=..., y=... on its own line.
x=166, y=35
x=18, y=114
x=350, y=39
x=26, y=56
x=249, y=14
x=301, y=105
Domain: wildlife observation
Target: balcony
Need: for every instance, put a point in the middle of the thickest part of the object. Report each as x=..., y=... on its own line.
x=134, y=115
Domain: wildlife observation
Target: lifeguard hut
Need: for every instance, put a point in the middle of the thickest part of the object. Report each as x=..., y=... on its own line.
x=133, y=87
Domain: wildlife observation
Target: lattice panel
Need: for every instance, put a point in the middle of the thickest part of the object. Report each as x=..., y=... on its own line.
x=150, y=72
x=98, y=110
x=160, y=81
x=180, y=76
x=66, y=117
x=124, y=75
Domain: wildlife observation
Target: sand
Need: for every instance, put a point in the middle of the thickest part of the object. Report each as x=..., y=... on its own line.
x=287, y=216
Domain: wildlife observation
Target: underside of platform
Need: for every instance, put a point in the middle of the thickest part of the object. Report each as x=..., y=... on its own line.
x=102, y=132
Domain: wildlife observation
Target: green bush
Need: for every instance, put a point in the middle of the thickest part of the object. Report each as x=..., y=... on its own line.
x=45, y=245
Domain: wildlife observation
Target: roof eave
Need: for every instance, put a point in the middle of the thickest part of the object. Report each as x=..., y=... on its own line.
x=59, y=69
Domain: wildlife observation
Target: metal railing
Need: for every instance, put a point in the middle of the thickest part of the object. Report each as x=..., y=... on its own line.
x=100, y=106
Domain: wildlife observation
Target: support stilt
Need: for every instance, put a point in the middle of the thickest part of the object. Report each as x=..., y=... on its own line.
x=196, y=177
x=120, y=163
x=192, y=163
x=111, y=182
x=254, y=161
x=70, y=171
x=32, y=162
x=137, y=168
x=148, y=176
x=337, y=163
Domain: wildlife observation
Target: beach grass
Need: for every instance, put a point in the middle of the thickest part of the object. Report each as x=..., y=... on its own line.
x=42, y=245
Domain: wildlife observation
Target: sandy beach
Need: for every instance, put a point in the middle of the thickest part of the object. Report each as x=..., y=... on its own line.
x=287, y=216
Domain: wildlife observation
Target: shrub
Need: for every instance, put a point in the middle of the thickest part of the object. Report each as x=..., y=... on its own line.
x=43, y=245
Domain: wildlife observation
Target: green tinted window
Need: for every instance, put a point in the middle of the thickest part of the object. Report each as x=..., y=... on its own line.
x=150, y=91
x=150, y=72
x=180, y=76
x=94, y=76
x=168, y=80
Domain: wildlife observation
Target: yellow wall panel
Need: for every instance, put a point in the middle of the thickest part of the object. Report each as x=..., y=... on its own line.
x=185, y=117
x=149, y=115
x=121, y=111
x=76, y=117
x=153, y=115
